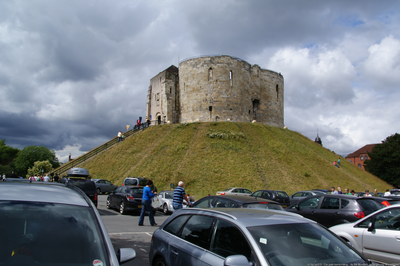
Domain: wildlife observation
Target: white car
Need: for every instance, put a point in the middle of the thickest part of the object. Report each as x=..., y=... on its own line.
x=376, y=236
x=163, y=201
x=235, y=191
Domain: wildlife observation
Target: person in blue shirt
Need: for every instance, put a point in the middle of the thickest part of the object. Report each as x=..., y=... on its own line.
x=179, y=195
x=146, y=204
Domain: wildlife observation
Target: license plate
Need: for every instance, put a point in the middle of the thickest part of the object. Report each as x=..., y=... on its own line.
x=139, y=206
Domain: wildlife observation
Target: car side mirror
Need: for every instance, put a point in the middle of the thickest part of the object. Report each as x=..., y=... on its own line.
x=237, y=260
x=125, y=255
x=371, y=227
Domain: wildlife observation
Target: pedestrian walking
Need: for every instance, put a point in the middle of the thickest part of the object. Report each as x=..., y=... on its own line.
x=4, y=177
x=179, y=195
x=119, y=135
x=146, y=204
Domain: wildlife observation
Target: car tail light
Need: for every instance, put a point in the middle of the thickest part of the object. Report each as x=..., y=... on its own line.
x=263, y=202
x=223, y=193
x=95, y=196
x=386, y=203
x=129, y=197
x=359, y=215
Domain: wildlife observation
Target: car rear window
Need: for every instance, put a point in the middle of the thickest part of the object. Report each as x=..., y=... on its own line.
x=269, y=206
x=130, y=182
x=142, y=182
x=369, y=204
x=136, y=190
x=282, y=194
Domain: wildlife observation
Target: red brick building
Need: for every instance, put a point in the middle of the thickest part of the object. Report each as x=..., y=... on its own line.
x=359, y=156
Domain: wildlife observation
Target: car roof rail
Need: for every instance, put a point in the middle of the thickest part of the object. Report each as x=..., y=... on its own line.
x=216, y=211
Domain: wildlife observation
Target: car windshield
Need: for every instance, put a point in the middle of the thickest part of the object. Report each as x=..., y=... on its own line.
x=302, y=244
x=263, y=205
x=136, y=190
x=169, y=195
x=33, y=233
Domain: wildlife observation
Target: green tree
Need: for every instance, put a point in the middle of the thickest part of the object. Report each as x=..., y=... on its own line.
x=30, y=154
x=38, y=166
x=7, y=153
x=384, y=160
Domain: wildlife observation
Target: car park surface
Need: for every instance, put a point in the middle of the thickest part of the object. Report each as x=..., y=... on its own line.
x=104, y=186
x=333, y=209
x=377, y=236
x=125, y=199
x=237, y=201
x=234, y=191
x=194, y=236
x=299, y=195
x=46, y=223
x=276, y=195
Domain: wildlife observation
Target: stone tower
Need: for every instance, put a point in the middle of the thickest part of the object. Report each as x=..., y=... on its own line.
x=216, y=88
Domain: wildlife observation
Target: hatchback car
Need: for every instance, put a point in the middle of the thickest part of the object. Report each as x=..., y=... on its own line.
x=377, y=236
x=279, y=196
x=104, y=186
x=163, y=201
x=246, y=237
x=46, y=223
x=299, y=195
x=236, y=201
x=234, y=191
x=125, y=199
x=333, y=209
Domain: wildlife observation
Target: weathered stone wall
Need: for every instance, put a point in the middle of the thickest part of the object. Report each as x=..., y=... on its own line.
x=219, y=88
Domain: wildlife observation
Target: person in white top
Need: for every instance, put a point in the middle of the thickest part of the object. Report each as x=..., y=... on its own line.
x=367, y=193
x=46, y=178
x=387, y=193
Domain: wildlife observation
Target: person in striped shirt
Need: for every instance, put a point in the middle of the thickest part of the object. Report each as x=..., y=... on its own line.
x=179, y=195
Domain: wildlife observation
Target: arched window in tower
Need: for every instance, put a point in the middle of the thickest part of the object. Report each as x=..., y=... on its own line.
x=277, y=92
x=231, y=77
x=210, y=73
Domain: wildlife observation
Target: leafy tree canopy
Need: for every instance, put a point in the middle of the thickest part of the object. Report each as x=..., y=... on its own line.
x=7, y=153
x=384, y=160
x=30, y=154
x=37, y=168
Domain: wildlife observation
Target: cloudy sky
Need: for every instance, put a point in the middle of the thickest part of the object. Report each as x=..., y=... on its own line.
x=74, y=73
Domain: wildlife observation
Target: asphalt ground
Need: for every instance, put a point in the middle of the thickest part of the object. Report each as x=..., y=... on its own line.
x=125, y=232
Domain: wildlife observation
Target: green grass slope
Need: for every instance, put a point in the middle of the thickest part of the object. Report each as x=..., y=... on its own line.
x=214, y=156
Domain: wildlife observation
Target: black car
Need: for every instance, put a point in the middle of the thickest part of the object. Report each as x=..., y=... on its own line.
x=86, y=185
x=276, y=195
x=333, y=209
x=125, y=199
x=236, y=201
x=104, y=186
x=299, y=195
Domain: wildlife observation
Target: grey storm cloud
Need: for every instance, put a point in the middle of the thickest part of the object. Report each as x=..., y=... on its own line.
x=74, y=73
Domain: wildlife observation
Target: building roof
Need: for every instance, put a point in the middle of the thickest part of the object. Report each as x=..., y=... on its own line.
x=364, y=150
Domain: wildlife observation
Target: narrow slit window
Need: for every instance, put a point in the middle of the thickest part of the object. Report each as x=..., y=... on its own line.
x=231, y=77
x=210, y=73
x=277, y=91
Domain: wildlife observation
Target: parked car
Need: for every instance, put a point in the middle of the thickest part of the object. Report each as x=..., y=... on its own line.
x=376, y=236
x=235, y=191
x=137, y=182
x=246, y=237
x=125, y=199
x=395, y=192
x=80, y=177
x=333, y=209
x=276, y=195
x=46, y=223
x=236, y=201
x=104, y=186
x=299, y=195
x=163, y=201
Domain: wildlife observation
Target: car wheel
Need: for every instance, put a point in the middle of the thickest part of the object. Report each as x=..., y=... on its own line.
x=98, y=191
x=159, y=262
x=122, y=208
x=165, y=209
x=108, y=203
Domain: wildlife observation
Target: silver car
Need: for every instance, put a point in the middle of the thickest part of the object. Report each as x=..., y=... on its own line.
x=104, y=186
x=254, y=237
x=234, y=191
x=46, y=223
x=377, y=235
x=163, y=201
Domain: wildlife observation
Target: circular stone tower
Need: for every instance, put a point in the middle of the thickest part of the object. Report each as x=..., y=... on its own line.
x=225, y=88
